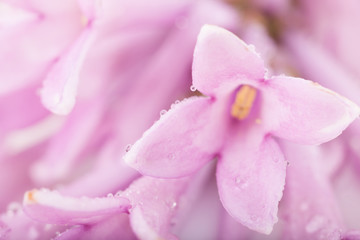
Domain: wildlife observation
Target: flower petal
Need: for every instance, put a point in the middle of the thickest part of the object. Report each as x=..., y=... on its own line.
x=306, y=112
x=51, y=207
x=31, y=110
x=351, y=235
x=74, y=137
x=112, y=228
x=221, y=59
x=11, y=16
x=155, y=203
x=251, y=177
x=59, y=88
x=310, y=204
x=181, y=142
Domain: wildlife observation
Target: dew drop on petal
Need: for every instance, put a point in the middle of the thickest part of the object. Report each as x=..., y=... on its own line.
x=110, y=195
x=175, y=103
x=193, y=88
x=241, y=182
x=118, y=194
x=128, y=147
x=162, y=112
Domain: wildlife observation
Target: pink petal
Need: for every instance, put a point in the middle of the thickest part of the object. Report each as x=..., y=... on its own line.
x=251, y=177
x=69, y=142
x=11, y=16
x=154, y=205
x=89, y=8
x=203, y=220
x=19, y=112
x=351, y=235
x=17, y=225
x=309, y=202
x=59, y=88
x=315, y=63
x=14, y=177
x=51, y=207
x=107, y=175
x=181, y=142
x=112, y=228
x=221, y=59
x=305, y=112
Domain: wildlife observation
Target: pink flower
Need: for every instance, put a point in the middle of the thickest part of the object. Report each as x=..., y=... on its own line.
x=236, y=124
x=152, y=205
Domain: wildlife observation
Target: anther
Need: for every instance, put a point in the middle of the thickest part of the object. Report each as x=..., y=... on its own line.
x=244, y=100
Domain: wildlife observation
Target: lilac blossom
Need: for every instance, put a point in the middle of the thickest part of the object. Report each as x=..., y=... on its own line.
x=84, y=78
x=236, y=126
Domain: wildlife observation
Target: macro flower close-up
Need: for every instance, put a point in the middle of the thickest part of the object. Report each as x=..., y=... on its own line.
x=179, y=119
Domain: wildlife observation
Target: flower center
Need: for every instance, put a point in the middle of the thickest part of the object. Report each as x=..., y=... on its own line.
x=243, y=102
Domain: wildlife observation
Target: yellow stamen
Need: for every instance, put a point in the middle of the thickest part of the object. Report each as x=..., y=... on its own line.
x=244, y=100
x=29, y=197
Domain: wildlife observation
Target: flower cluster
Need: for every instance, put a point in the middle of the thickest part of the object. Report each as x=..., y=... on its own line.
x=88, y=149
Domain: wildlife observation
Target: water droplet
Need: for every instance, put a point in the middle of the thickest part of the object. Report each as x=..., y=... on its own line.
x=315, y=224
x=173, y=205
x=175, y=103
x=193, y=88
x=110, y=195
x=162, y=112
x=57, y=234
x=128, y=147
x=241, y=182
x=118, y=194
